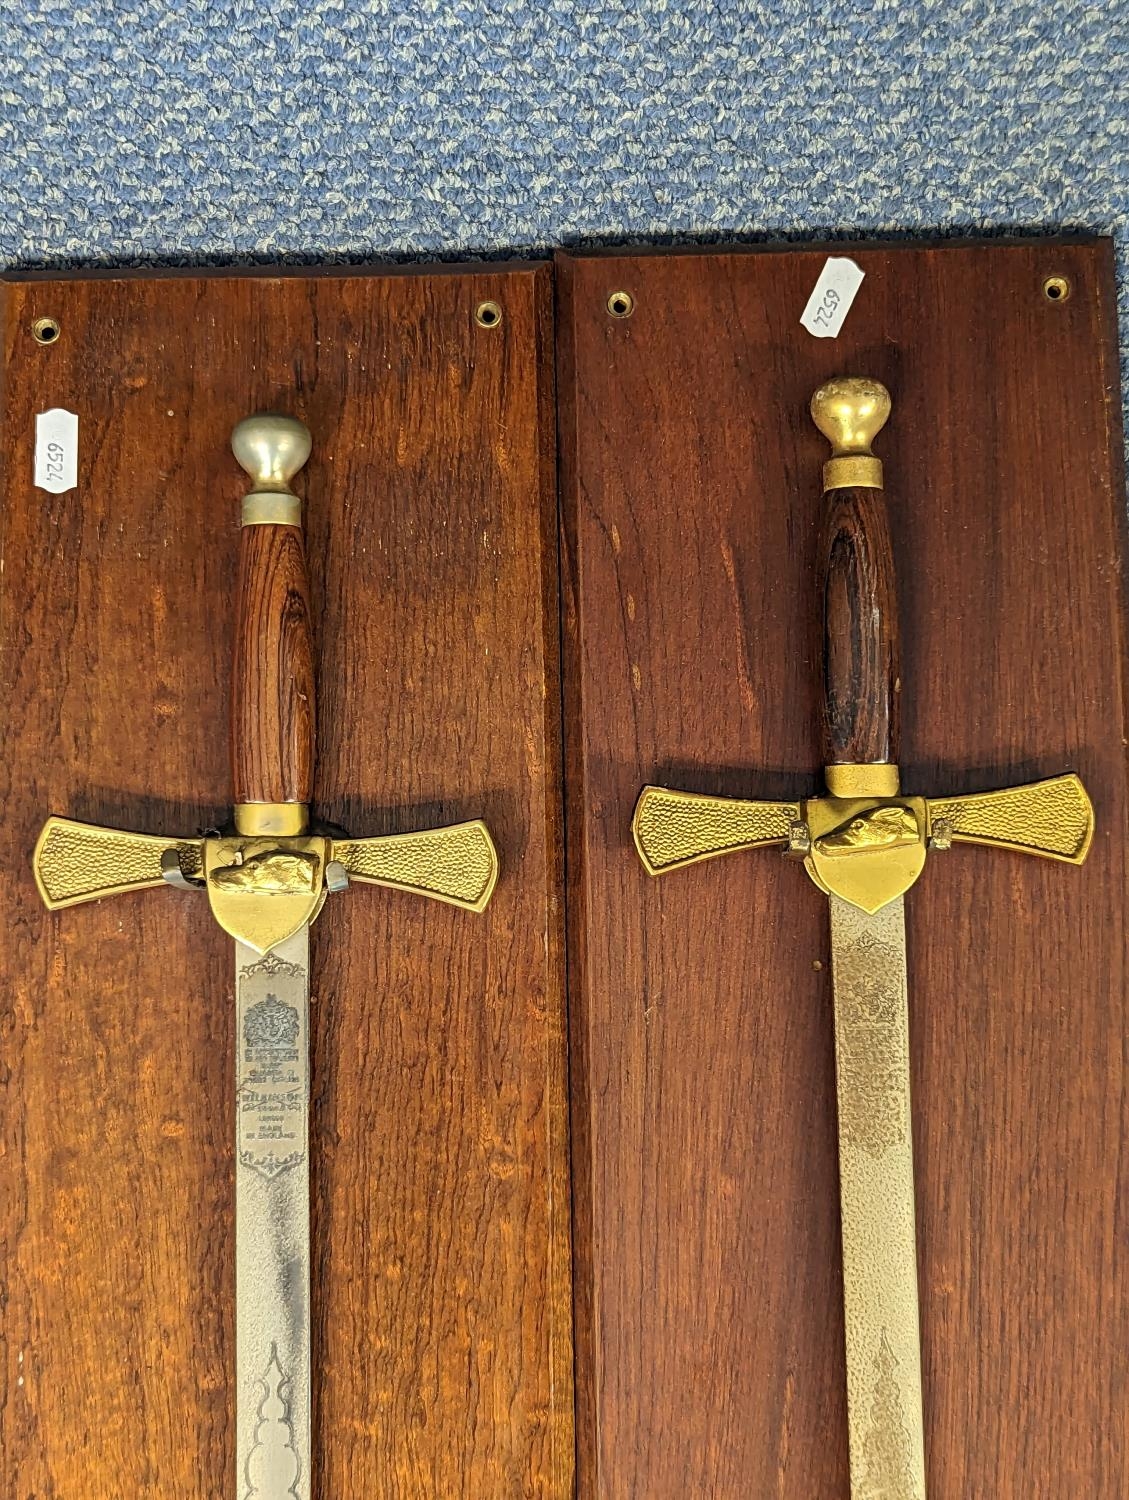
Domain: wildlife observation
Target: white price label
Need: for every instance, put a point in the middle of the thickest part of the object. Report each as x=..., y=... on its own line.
x=831, y=298
x=56, y=450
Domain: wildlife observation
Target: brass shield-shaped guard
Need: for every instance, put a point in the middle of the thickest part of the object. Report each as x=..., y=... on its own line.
x=262, y=890
x=867, y=851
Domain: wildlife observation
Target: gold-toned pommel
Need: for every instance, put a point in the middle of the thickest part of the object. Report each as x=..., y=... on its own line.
x=850, y=412
x=272, y=449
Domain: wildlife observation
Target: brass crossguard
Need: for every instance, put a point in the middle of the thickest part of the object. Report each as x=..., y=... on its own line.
x=1053, y=819
x=76, y=862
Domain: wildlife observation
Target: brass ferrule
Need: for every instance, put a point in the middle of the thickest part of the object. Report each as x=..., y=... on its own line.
x=279, y=819
x=271, y=508
x=859, y=471
x=879, y=779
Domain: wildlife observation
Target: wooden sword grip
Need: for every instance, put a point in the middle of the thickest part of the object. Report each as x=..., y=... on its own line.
x=272, y=708
x=860, y=610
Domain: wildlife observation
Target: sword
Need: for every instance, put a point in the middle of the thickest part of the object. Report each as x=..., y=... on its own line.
x=267, y=878
x=864, y=844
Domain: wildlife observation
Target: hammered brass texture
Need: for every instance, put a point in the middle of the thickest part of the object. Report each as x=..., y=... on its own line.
x=868, y=967
x=1052, y=818
x=672, y=829
x=76, y=862
x=457, y=864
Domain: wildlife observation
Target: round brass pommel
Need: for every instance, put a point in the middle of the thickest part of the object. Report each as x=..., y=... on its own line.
x=272, y=449
x=851, y=412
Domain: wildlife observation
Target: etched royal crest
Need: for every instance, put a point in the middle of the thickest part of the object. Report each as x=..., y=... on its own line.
x=271, y=1024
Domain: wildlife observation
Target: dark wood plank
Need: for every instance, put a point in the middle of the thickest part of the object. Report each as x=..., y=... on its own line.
x=442, y=1341
x=709, y=1323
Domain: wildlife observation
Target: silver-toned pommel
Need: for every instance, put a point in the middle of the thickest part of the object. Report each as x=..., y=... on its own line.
x=271, y=448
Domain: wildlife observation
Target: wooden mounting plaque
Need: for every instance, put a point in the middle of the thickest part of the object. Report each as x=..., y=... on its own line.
x=442, y=1361
x=708, y=1287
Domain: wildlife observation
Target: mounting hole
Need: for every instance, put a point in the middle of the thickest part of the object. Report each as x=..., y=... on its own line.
x=621, y=304
x=488, y=315
x=45, y=330
x=1056, y=288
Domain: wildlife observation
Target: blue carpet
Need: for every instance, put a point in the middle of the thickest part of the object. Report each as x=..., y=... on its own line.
x=193, y=131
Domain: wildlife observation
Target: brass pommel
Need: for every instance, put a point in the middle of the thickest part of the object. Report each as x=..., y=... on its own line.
x=851, y=412
x=272, y=449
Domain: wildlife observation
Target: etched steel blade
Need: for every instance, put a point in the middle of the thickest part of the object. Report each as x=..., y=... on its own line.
x=272, y=1222
x=868, y=960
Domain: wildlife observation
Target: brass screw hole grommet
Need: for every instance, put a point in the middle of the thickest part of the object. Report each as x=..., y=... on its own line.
x=1056, y=288
x=488, y=315
x=621, y=304
x=45, y=331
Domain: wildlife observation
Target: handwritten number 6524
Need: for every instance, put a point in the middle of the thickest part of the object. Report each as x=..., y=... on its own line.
x=54, y=454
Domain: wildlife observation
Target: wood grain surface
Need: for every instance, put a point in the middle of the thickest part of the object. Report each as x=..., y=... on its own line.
x=861, y=676
x=708, y=1290
x=441, y=1252
x=273, y=693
